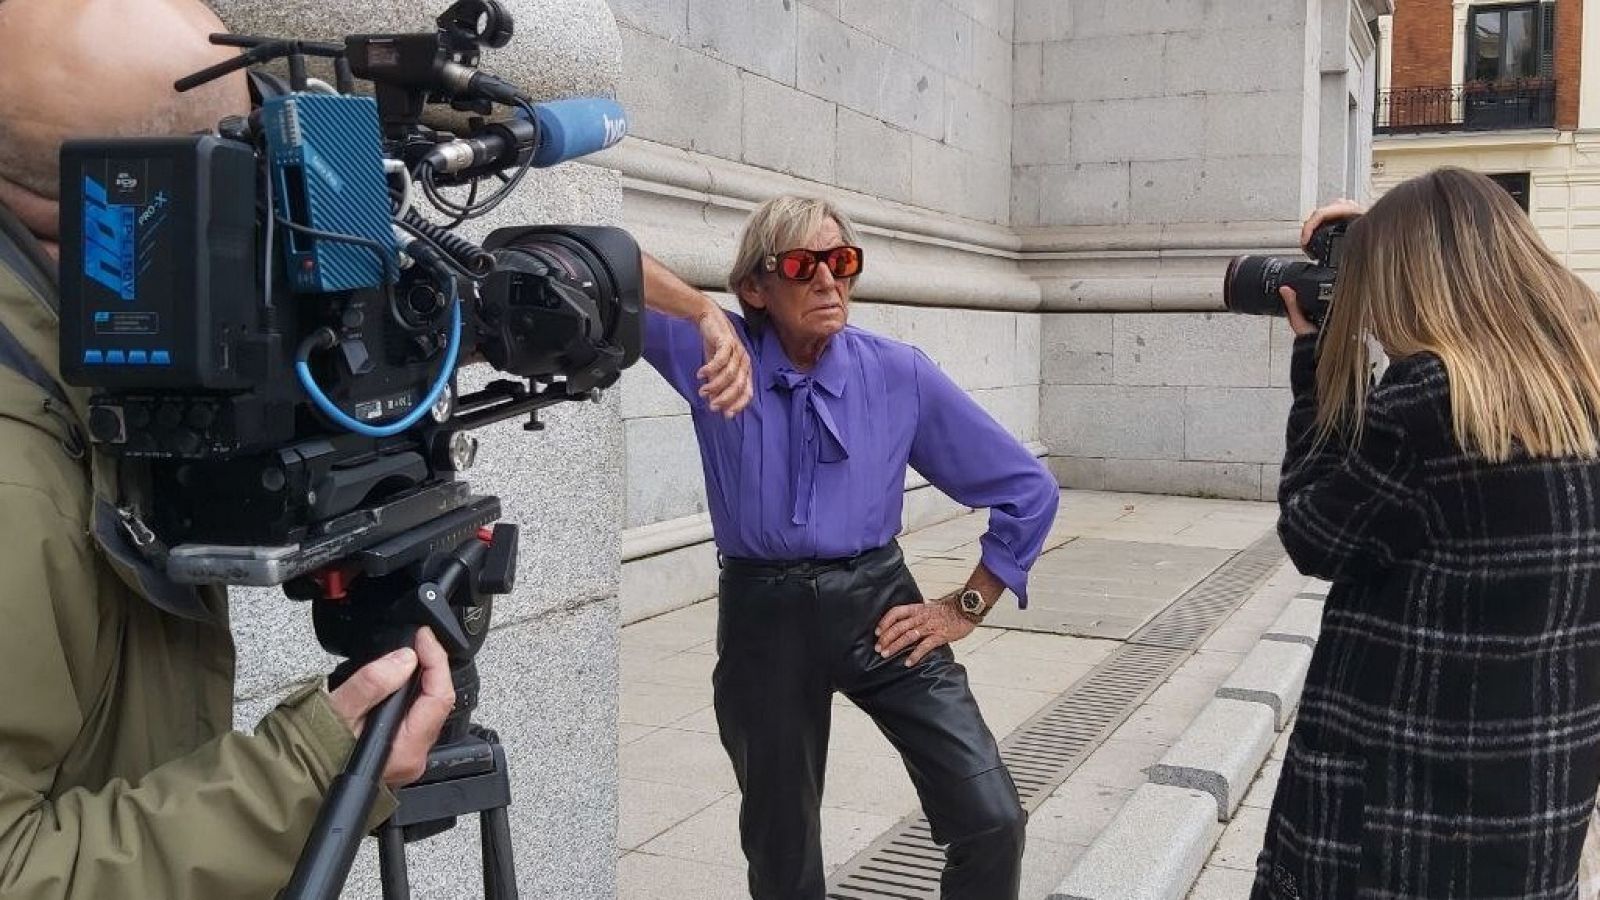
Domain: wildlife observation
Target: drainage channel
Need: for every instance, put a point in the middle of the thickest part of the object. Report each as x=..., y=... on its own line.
x=904, y=863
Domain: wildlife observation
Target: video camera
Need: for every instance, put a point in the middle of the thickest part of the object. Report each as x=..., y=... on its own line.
x=274, y=329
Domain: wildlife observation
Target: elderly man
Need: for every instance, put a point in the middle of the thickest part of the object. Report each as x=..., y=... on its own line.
x=119, y=774
x=805, y=489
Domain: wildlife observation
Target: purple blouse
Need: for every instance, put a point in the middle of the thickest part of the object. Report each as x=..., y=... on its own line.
x=814, y=468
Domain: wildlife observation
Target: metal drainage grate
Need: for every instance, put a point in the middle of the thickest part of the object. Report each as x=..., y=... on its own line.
x=905, y=862
x=1186, y=623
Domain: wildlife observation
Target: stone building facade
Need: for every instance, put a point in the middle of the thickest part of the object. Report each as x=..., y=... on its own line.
x=1050, y=189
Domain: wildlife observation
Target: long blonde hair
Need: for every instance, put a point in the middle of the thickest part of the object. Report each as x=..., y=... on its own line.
x=1447, y=263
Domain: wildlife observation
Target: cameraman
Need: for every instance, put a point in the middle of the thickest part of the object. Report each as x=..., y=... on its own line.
x=119, y=774
x=1448, y=739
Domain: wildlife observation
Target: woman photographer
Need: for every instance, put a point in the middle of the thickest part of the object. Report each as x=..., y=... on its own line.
x=1448, y=742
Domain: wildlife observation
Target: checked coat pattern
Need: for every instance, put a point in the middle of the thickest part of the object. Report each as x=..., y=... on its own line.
x=1448, y=741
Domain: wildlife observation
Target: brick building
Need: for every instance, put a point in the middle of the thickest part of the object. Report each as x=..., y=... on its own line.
x=1499, y=86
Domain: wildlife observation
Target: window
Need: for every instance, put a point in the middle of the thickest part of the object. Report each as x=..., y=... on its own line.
x=1516, y=184
x=1510, y=60
x=1506, y=43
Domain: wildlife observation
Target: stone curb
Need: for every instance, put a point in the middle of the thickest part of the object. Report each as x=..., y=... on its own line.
x=1153, y=850
x=1273, y=674
x=1220, y=752
x=1299, y=623
x=1159, y=841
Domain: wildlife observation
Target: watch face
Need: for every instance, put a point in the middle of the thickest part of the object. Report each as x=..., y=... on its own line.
x=972, y=601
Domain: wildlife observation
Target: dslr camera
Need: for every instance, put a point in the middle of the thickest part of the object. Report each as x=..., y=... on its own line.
x=1252, y=282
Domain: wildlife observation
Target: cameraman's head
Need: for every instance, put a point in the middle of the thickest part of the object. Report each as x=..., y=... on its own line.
x=103, y=68
x=1448, y=263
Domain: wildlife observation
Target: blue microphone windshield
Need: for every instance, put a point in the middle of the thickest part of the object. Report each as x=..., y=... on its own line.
x=569, y=129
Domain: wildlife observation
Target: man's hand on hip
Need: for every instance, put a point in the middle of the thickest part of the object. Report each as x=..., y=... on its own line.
x=922, y=626
x=726, y=374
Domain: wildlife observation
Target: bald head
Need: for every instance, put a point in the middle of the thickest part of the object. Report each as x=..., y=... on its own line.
x=91, y=68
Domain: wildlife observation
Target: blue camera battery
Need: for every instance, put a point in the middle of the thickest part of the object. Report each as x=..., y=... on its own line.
x=326, y=163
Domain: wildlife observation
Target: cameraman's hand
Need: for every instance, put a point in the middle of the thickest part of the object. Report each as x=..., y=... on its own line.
x=1333, y=212
x=1297, y=320
x=374, y=682
x=726, y=372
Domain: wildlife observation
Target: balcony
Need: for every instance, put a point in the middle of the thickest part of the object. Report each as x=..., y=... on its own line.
x=1475, y=106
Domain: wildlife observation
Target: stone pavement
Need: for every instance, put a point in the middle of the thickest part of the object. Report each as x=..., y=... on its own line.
x=1113, y=561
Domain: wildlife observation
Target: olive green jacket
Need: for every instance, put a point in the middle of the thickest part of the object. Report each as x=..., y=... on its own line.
x=120, y=775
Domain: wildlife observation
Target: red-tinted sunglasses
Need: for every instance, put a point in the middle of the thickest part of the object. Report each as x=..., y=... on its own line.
x=800, y=264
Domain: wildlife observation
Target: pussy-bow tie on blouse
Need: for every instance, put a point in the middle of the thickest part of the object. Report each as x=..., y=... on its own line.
x=813, y=435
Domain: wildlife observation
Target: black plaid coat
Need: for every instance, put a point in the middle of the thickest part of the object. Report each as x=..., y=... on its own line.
x=1448, y=740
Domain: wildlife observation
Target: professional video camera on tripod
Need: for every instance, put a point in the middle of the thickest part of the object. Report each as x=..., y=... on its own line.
x=273, y=332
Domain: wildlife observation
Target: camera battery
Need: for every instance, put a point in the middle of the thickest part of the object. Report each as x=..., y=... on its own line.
x=158, y=262
x=326, y=162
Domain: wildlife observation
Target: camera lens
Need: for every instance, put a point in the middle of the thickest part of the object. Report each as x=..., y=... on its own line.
x=577, y=266
x=1251, y=285
x=564, y=299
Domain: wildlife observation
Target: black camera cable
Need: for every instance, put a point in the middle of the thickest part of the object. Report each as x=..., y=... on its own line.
x=325, y=339
x=472, y=210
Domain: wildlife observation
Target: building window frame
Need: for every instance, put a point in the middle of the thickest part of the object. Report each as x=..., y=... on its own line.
x=1543, y=44
x=1518, y=184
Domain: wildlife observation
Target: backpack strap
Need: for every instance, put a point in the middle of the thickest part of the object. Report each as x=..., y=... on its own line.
x=21, y=255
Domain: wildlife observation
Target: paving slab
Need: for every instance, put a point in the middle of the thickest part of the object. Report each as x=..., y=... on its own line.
x=1223, y=884
x=646, y=808
x=1241, y=841
x=1107, y=589
x=653, y=875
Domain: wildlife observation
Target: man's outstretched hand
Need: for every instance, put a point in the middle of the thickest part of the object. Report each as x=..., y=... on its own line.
x=374, y=682
x=725, y=377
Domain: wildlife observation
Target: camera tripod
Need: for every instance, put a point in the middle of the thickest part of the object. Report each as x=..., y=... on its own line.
x=442, y=574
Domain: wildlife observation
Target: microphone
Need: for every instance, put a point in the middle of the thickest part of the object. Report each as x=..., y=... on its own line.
x=558, y=131
x=572, y=128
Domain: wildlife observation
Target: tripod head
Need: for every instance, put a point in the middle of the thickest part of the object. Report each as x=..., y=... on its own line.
x=442, y=574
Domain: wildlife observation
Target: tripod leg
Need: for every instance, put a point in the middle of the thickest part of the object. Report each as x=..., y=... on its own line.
x=392, y=862
x=499, y=866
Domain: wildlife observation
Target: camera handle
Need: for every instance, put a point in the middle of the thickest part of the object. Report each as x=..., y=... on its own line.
x=331, y=847
x=466, y=770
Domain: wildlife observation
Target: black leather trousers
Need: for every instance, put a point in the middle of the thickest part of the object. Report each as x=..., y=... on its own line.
x=788, y=636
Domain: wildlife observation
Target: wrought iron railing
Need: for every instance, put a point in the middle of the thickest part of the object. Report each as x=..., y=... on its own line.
x=1474, y=106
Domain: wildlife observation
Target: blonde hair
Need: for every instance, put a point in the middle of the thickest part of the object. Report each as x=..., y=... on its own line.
x=781, y=223
x=1447, y=263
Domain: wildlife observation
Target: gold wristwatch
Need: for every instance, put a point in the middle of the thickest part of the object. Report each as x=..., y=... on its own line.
x=972, y=605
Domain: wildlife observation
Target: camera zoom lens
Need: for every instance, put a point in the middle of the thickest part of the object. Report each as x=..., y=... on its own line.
x=1251, y=285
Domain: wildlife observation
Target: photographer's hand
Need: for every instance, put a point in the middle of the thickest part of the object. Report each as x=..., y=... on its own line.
x=1338, y=209
x=376, y=680
x=1297, y=320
